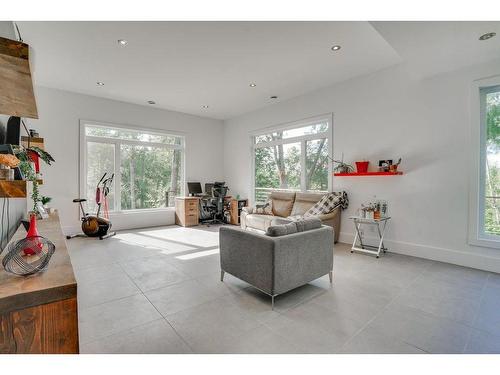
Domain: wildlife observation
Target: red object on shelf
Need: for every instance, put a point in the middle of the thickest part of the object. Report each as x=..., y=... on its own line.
x=32, y=232
x=36, y=159
x=362, y=166
x=369, y=174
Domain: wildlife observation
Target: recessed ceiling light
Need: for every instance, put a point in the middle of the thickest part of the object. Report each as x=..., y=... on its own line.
x=122, y=42
x=487, y=36
x=205, y=106
x=336, y=48
x=100, y=83
x=253, y=85
x=274, y=97
x=151, y=102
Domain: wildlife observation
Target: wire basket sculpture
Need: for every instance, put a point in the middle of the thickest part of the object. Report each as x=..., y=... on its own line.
x=28, y=256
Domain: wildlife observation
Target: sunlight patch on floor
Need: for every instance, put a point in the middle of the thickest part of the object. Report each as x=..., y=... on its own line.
x=197, y=238
x=198, y=254
x=161, y=244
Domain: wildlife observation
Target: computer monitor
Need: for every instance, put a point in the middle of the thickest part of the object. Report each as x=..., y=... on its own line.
x=194, y=188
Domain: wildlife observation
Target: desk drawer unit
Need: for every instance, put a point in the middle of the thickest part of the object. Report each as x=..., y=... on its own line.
x=186, y=211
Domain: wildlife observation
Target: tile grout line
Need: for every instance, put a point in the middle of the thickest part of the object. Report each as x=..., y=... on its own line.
x=161, y=315
x=118, y=332
x=119, y=299
x=383, y=309
x=476, y=315
x=135, y=326
x=119, y=264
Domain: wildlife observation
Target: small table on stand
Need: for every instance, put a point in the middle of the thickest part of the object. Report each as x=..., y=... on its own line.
x=369, y=249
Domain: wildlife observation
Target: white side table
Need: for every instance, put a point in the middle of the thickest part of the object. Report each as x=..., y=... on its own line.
x=381, y=225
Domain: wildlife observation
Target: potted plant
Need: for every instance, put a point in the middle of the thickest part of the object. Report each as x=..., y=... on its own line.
x=340, y=167
x=24, y=154
x=45, y=201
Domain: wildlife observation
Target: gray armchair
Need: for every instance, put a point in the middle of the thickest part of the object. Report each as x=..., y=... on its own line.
x=275, y=265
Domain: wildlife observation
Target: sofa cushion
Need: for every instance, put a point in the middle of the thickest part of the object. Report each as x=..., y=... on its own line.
x=256, y=221
x=304, y=201
x=280, y=220
x=282, y=203
x=308, y=224
x=281, y=230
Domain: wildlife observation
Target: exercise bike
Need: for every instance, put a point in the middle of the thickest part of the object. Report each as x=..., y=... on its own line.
x=96, y=225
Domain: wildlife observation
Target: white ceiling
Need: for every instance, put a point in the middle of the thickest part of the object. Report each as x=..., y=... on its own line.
x=430, y=48
x=183, y=66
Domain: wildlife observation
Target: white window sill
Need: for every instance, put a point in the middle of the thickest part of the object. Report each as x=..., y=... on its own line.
x=484, y=242
x=142, y=211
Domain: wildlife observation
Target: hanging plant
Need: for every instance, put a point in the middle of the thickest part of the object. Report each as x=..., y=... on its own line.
x=25, y=155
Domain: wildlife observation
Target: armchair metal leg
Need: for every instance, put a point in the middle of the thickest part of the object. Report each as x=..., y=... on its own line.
x=272, y=302
x=222, y=275
x=330, y=274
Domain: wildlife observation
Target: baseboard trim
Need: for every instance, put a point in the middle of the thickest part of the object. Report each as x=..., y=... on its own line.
x=460, y=258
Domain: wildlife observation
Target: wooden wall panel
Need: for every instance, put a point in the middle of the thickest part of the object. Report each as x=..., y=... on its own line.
x=47, y=329
x=60, y=327
x=7, y=342
x=27, y=330
x=16, y=91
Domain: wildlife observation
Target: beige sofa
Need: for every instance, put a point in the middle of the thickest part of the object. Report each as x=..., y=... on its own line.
x=285, y=204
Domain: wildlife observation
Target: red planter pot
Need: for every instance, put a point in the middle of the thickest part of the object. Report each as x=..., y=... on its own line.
x=362, y=166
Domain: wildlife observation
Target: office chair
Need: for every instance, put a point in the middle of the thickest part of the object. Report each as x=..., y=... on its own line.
x=209, y=190
x=213, y=208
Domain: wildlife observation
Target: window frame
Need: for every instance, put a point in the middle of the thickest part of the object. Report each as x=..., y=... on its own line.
x=328, y=134
x=84, y=139
x=477, y=191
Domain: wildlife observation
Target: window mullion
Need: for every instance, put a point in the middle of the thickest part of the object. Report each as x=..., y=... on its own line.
x=118, y=177
x=303, y=172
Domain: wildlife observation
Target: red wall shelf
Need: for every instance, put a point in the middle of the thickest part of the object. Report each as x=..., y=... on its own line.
x=355, y=174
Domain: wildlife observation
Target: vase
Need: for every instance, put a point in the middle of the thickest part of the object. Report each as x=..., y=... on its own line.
x=36, y=159
x=32, y=232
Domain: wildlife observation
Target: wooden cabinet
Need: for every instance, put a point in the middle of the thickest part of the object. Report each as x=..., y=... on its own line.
x=235, y=210
x=187, y=211
x=39, y=313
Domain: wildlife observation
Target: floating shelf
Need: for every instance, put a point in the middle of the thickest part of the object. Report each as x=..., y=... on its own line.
x=12, y=189
x=356, y=174
x=32, y=141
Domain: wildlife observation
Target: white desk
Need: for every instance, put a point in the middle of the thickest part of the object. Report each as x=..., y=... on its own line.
x=381, y=225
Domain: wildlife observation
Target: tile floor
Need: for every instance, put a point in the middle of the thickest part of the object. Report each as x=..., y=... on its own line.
x=157, y=290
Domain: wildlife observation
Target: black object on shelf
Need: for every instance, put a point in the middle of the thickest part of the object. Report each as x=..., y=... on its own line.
x=13, y=132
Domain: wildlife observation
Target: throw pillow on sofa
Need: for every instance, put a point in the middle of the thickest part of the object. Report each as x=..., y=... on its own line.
x=309, y=223
x=265, y=209
x=325, y=205
x=282, y=227
x=281, y=230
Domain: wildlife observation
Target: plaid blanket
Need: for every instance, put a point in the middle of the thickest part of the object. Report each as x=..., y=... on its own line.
x=328, y=203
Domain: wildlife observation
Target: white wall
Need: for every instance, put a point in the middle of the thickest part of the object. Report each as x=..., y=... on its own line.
x=59, y=115
x=392, y=114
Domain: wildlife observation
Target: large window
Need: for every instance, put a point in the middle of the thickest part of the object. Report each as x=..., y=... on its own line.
x=147, y=166
x=490, y=158
x=292, y=158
